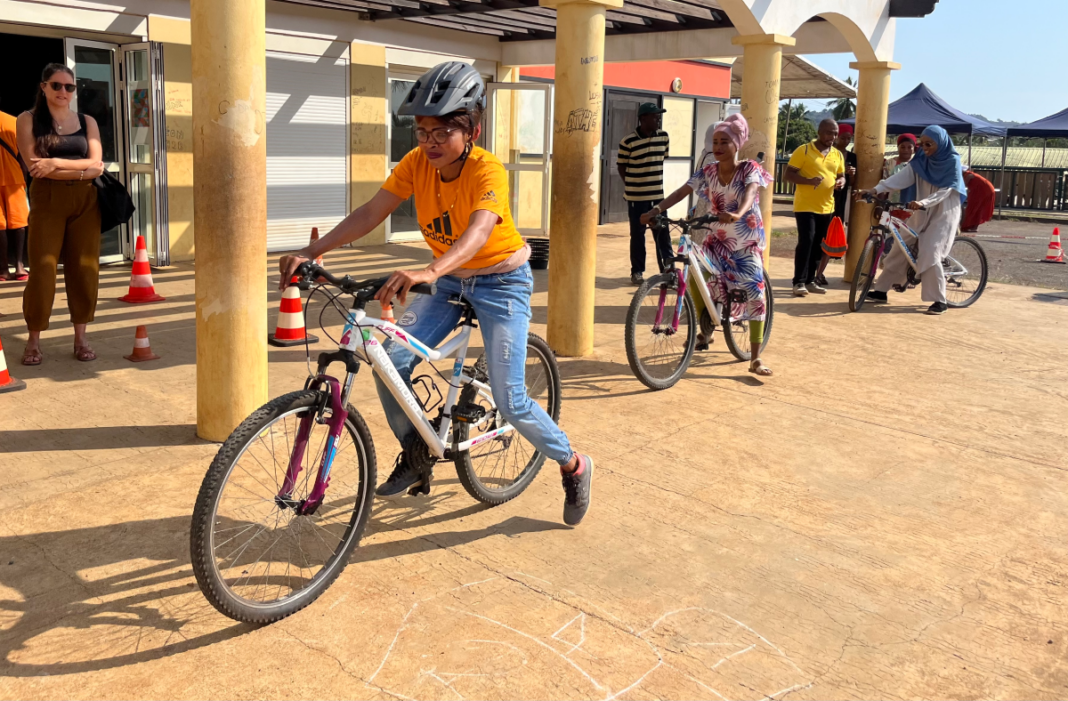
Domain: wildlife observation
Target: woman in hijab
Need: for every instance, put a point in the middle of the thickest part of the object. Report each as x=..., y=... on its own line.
x=940, y=191
x=735, y=245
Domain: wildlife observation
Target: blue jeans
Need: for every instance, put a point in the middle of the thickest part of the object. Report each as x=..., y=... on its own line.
x=502, y=303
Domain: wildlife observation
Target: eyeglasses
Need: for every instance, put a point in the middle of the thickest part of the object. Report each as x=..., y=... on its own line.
x=69, y=87
x=440, y=136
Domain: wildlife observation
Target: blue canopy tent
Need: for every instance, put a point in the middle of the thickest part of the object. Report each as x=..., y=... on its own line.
x=921, y=108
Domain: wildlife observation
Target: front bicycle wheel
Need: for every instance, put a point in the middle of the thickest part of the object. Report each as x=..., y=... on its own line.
x=658, y=353
x=863, y=277
x=966, y=271
x=255, y=559
x=736, y=329
x=499, y=469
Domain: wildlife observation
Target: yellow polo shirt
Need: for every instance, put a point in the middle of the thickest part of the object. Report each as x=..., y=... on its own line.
x=813, y=164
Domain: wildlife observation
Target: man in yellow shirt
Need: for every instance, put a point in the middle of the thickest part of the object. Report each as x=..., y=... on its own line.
x=14, y=207
x=817, y=169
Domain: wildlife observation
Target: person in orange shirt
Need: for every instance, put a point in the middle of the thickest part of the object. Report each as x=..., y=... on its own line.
x=14, y=207
x=461, y=203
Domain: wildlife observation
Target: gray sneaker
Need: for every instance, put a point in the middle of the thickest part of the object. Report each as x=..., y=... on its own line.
x=800, y=291
x=815, y=289
x=577, y=490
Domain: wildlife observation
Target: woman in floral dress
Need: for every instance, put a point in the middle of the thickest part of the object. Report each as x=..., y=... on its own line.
x=734, y=246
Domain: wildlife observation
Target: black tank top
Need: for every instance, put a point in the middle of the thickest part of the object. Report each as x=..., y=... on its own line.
x=72, y=147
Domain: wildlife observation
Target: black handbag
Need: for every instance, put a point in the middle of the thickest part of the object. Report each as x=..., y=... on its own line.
x=116, y=205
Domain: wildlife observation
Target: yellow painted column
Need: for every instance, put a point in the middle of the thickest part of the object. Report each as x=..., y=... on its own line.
x=760, y=107
x=229, y=211
x=369, y=113
x=576, y=172
x=873, y=101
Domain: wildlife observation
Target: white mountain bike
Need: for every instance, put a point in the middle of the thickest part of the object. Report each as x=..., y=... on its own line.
x=288, y=495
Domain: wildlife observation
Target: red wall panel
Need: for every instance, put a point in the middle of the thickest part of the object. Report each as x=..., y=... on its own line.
x=701, y=79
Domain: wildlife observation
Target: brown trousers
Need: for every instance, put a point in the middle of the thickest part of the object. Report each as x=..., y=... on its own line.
x=64, y=226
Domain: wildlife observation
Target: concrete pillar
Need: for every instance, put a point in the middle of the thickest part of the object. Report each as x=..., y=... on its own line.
x=576, y=172
x=760, y=106
x=230, y=211
x=873, y=100
x=369, y=110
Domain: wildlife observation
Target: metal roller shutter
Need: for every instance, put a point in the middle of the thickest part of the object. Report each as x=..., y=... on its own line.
x=307, y=147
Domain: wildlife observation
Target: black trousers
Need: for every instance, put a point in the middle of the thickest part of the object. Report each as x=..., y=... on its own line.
x=811, y=230
x=661, y=239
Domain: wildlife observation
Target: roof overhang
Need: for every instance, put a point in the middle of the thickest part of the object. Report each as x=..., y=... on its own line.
x=801, y=79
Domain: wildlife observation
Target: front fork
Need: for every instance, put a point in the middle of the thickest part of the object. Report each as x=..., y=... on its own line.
x=334, y=399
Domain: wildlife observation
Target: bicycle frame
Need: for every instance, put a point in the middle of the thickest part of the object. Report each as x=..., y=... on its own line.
x=358, y=338
x=687, y=250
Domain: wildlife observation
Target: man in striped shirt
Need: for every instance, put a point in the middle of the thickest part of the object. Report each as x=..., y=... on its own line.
x=641, y=165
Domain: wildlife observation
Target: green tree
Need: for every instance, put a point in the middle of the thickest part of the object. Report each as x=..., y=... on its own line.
x=801, y=130
x=843, y=107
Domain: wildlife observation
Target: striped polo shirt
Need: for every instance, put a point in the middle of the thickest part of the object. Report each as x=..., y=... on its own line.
x=642, y=159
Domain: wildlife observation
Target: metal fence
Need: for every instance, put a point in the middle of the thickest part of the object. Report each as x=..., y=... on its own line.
x=1041, y=189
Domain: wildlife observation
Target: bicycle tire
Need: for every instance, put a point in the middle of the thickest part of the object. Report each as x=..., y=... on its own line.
x=465, y=464
x=205, y=516
x=633, y=325
x=862, y=281
x=971, y=243
x=739, y=347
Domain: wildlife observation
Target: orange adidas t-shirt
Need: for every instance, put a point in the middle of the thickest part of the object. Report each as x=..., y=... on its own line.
x=444, y=209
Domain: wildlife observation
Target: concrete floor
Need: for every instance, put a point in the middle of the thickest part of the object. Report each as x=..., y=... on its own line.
x=886, y=517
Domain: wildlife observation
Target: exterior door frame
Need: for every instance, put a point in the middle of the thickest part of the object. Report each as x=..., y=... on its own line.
x=159, y=254
x=117, y=167
x=546, y=161
x=391, y=76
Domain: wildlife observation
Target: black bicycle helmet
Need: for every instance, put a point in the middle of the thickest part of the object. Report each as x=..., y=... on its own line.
x=446, y=88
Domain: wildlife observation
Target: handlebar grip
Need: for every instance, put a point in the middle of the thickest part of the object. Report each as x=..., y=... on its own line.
x=425, y=288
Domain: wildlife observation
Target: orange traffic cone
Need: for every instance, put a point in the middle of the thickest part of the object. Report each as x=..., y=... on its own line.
x=7, y=382
x=141, y=288
x=1055, y=254
x=387, y=314
x=142, y=349
x=835, y=243
x=290, y=330
x=314, y=238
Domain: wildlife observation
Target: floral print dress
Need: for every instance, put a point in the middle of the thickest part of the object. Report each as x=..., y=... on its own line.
x=735, y=251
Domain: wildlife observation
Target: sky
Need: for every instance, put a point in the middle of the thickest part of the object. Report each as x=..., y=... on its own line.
x=1001, y=59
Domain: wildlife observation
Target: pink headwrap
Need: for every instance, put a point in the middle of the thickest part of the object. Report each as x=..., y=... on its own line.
x=736, y=129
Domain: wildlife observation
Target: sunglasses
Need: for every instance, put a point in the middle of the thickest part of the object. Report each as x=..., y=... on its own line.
x=440, y=136
x=69, y=87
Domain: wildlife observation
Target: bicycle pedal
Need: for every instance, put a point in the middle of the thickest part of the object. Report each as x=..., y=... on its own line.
x=423, y=488
x=468, y=413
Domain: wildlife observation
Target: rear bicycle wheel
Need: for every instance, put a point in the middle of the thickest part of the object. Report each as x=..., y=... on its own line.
x=256, y=560
x=736, y=330
x=966, y=272
x=659, y=355
x=863, y=277
x=501, y=468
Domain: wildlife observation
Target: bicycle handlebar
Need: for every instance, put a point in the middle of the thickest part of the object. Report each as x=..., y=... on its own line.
x=663, y=219
x=309, y=271
x=871, y=199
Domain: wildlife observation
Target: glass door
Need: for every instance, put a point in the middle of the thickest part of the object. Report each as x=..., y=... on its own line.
x=520, y=134
x=142, y=93
x=403, y=225
x=94, y=67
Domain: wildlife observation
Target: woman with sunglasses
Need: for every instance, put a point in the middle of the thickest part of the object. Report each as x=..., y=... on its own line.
x=461, y=202
x=63, y=152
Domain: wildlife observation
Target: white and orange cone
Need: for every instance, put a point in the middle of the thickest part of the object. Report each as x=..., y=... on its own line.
x=1055, y=253
x=387, y=313
x=290, y=329
x=7, y=382
x=141, y=288
x=142, y=349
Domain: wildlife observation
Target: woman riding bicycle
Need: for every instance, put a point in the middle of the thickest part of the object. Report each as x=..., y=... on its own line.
x=939, y=185
x=461, y=201
x=735, y=247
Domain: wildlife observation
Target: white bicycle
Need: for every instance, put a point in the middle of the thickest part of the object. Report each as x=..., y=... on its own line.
x=287, y=497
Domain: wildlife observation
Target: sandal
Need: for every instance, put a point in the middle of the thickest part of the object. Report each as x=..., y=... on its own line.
x=84, y=354
x=32, y=356
x=757, y=367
